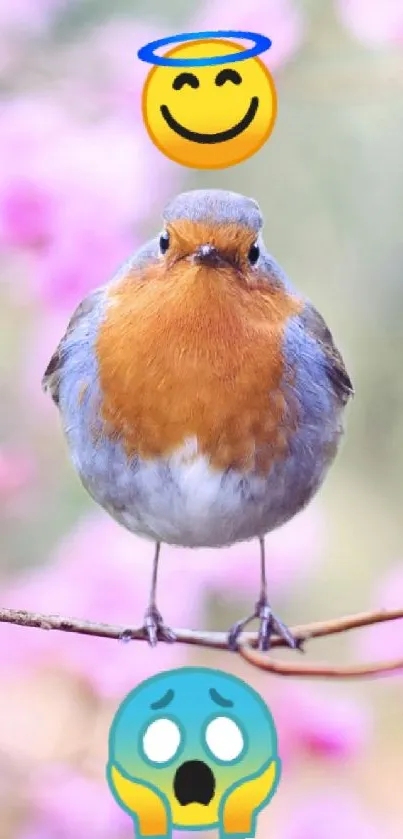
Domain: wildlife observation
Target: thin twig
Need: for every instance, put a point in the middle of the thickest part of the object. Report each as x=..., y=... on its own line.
x=319, y=671
x=219, y=640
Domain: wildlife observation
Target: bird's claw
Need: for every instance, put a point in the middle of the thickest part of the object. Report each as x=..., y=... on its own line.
x=155, y=629
x=268, y=625
x=234, y=633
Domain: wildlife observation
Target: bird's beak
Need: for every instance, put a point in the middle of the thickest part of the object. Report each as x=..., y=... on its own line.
x=207, y=255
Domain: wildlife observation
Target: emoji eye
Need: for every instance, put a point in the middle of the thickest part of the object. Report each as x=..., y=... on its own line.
x=228, y=76
x=164, y=241
x=161, y=740
x=224, y=738
x=254, y=253
x=185, y=78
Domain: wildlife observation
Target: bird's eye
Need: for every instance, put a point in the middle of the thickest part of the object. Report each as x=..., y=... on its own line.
x=164, y=241
x=254, y=253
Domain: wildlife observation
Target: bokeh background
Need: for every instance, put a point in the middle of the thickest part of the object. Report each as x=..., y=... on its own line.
x=80, y=187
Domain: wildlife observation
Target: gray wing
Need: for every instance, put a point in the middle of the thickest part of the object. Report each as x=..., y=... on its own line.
x=336, y=370
x=51, y=376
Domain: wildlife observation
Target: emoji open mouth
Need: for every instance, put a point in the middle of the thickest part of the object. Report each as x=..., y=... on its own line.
x=194, y=782
x=220, y=136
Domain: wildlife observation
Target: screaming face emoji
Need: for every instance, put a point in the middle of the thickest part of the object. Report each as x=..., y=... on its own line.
x=209, y=116
x=193, y=748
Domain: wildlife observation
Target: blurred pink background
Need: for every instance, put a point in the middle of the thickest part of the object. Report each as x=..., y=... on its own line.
x=80, y=187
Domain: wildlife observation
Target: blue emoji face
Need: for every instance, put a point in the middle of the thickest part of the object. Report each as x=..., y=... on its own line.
x=193, y=748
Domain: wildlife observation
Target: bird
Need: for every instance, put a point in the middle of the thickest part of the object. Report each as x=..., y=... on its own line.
x=201, y=395
x=174, y=762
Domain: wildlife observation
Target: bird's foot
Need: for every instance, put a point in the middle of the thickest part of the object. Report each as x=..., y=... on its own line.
x=268, y=625
x=155, y=629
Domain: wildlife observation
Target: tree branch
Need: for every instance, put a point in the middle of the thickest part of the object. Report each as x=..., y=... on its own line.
x=319, y=671
x=218, y=640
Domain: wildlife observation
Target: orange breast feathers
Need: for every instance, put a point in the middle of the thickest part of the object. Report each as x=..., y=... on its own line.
x=188, y=351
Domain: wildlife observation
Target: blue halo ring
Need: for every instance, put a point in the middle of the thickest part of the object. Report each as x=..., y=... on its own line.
x=147, y=53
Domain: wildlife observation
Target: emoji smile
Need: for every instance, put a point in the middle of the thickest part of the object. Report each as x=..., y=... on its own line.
x=218, y=137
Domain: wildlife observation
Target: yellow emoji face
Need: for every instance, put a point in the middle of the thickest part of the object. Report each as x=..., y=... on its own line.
x=209, y=117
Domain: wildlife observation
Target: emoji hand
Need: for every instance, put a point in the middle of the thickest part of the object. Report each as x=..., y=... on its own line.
x=147, y=808
x=240, y=807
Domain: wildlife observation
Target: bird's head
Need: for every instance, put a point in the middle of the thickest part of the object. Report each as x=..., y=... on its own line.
x=211, y=239
x=213, y=230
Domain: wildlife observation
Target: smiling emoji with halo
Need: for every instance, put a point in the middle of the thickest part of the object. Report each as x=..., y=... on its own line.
x=193, y=749
x=213, y=106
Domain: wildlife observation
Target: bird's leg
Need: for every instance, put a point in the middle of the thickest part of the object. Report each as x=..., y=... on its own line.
x=154, y=626
x=268, y=623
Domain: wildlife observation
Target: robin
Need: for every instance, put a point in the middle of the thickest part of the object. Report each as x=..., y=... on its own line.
x=201, y=395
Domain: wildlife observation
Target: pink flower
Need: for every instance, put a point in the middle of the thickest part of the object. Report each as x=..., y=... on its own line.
x=315, y=722
x=100, y=573
x=293, y=553
x=17, y=473
x=27, y=214
x=66, y=804
x=375, y=22
x=331, y=814
x=29, y=128
x=117, y=75
x=74, y=194
x=384, y=641
x=106, y=167
x=79, y=260
x=280, y=20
